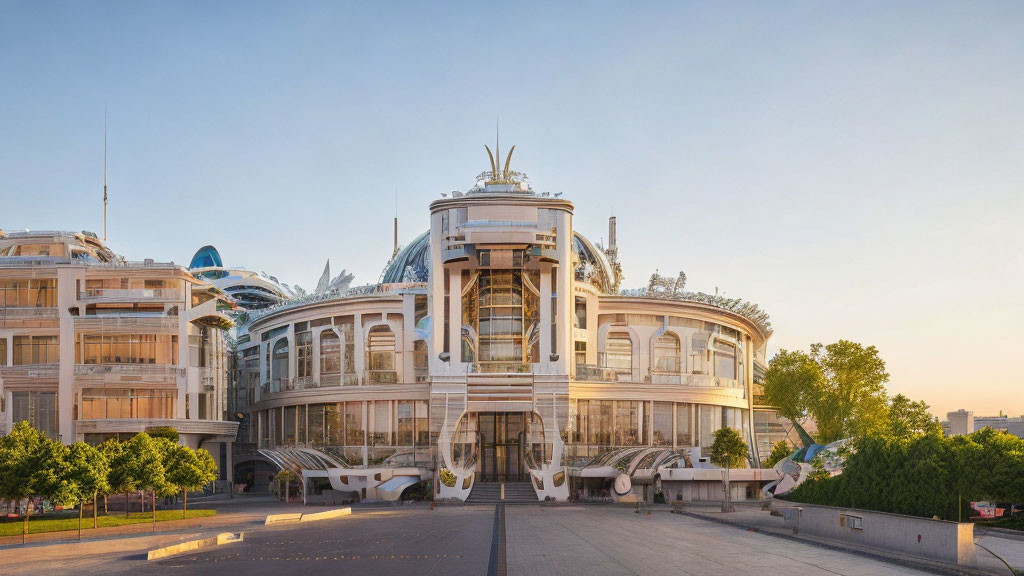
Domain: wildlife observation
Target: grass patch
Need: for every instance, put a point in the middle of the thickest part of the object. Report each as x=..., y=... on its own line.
x=14, y=526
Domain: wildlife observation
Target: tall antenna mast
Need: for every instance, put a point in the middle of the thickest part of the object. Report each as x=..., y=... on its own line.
x=104, y=172
x=396, y=223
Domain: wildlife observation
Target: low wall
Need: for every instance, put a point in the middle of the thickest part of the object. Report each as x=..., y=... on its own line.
x=193, y=545
x=941, y=540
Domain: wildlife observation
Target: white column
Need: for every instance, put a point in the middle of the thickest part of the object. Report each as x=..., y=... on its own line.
x=408, y=336
x=358, y=351
x=455, y=315
x=545, y=320
x=66, y=297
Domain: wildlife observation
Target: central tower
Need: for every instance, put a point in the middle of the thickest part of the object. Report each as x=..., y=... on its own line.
x=500, y=299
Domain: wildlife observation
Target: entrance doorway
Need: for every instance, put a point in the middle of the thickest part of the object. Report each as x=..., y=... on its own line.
x=502, y=440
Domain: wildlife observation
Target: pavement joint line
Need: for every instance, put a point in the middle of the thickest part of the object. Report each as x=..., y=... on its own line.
x=907, y=562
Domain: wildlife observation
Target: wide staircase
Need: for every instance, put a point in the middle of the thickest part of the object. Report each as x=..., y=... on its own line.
x=490, y=493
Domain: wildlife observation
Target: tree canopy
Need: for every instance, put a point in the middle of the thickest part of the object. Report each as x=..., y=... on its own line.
x=907, y=418
x=923, y=474
x=728, y=450
x=841, y=386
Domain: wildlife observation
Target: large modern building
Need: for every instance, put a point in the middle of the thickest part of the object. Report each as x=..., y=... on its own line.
x=499, y=347
x=93, y=346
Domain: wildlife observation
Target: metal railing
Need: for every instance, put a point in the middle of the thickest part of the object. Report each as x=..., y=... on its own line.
x=29, y=312
x=129, y=369
x=381, y=377
x=133, y=293
x=501, y=368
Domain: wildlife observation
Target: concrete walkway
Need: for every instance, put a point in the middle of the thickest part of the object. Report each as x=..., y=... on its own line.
x=613, y=541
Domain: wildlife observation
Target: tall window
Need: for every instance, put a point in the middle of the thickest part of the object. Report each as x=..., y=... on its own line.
x=38, y=408
x=627, y=431
x=330, y=353
x=684, y=425
x=380, y=352
x=725, y=360
x=3, y=352
x=666, y=353
x=501, y=318
x=304, y=355
x=581, y=312
x=36, y=350
x=619, y=353
x=661, y=424
x=405, y=416
x=419, y=358
x=699, y=352
x=279, y=363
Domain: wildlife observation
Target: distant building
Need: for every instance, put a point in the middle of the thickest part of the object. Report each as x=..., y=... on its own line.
x=1014, y=426
x=960, y=422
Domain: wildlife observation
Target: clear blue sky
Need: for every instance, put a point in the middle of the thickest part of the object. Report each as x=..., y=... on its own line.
x=855, y=168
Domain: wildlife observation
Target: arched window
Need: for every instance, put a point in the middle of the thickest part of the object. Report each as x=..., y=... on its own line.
x=619, y=353
x=330, y=357
x=380, y=351
x=279, y=364
x=666, y=353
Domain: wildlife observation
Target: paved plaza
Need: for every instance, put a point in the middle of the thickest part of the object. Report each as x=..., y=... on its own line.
x=538, y=540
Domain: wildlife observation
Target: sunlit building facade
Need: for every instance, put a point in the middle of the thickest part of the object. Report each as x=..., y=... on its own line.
x=499, y=347
x=93, y=346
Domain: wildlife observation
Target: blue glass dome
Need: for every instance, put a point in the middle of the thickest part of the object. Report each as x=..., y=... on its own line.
x=206, y=257
x=414, y=257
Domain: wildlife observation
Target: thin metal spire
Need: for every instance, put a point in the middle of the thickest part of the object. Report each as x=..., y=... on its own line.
x=396, y=223
x=104, y=172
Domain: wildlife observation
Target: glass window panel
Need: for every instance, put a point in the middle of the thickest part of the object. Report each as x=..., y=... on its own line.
x=662, y=424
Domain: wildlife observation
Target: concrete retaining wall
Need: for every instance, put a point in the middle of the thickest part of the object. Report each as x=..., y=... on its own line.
x=941, y=540
x=193, y=545
x=299, y=517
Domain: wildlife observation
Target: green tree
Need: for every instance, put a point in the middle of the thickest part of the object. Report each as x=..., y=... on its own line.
x=841, y=386
x=728, y=451
x=285, y=477
x=780, y=451
x=907, y=418
x=86, y=475
x=189, y=469
x=110, y=449
x=138, y=466
x=30, y=465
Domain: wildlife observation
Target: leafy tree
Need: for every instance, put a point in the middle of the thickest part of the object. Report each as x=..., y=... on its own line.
x=780, y=451
x=30, y=465
x=110, y=449
x=908, y=418
x=728, y=451
x=189, y=469
x=86, y=475
x=138, y=466
x=285, y=476
x=842, y=386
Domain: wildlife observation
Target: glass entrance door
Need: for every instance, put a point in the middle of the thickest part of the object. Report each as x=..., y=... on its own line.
x=501, y=436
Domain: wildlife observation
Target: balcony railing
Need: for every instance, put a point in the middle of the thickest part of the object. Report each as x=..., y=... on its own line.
x=330, y=380
x=28, y=312
x=381, y=377
x=129, y=369
x=597, y=373
x=501, y=368
x=129, y=294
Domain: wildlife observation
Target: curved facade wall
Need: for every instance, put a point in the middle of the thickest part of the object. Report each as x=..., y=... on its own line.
x=512, y=359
